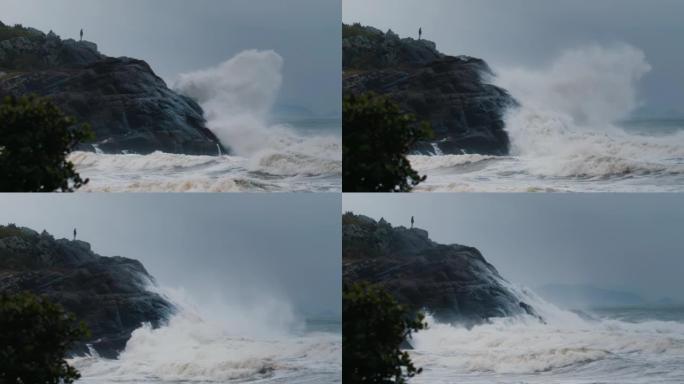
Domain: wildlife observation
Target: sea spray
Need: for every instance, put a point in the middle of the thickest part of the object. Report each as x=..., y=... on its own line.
x=237, y=97
x=220, y=342
x=592, y=86
x=164, y=172
x=566, y=125
x=566, y=134
x=564, y=348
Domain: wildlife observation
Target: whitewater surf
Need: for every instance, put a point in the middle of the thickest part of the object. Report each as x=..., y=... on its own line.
x=237, y=97
x=301, y=164
x=572, y=132
x=265, y=344
x=598, y=347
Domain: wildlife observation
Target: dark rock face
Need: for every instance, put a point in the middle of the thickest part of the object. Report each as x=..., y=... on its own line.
x=108, y=293
x=449, y=92
x=454, y=282
x=129, y=107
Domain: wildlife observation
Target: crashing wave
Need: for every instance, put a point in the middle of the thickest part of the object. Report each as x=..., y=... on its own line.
x=163, y=172
x=563, y=348
x=565, y=134
x=259, y=343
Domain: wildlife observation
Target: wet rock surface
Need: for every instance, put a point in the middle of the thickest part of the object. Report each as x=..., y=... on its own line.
x=453, y=282
x=110, y=294
x=128, y=106
x=452, y=93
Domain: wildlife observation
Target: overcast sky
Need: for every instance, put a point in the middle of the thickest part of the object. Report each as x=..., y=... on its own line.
x=240, y=245
x=531, y=33
x=177, y=36
x=616, y=241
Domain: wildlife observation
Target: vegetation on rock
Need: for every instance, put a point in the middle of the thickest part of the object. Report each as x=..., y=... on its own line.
x=10, y=230
x=356, y=29
x=7, y=32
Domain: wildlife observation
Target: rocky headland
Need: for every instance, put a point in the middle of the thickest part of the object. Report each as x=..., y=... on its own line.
x=110, y=294
x=129, y=107
x=453, y=282
x=450, y=92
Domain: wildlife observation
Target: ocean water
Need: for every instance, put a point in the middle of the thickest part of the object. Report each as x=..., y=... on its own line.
x=621, y=346
x=267, y=154
x=302, y=155
x=572, y=132
x=263, y=345
x=648, y=157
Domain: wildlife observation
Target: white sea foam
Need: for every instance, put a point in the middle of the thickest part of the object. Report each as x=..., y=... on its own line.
x=271, y=170
x=565, y=135
x=594, y=86
x=566, y=124
x=223, y=344
x=565, y=348
x=237, y=96
x=425, y=163
x=532, y=352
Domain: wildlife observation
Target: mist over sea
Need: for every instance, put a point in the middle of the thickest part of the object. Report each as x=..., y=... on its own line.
x=262, y=343
x=573, y=131
x=266, y=153
x=610, y=345
x=309, y=159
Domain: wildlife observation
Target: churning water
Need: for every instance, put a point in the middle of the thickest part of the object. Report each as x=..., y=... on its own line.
x=621, y=346
x=570, y=134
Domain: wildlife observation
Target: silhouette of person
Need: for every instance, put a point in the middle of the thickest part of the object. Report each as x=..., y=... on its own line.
x=411, y=222
x=420, y=32
x=74, y=234
x=81, y=34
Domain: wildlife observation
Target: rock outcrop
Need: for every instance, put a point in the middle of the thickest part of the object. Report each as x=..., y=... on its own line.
x=110, y=294
x=451, y=93
x=128, y=106
x=453, y=282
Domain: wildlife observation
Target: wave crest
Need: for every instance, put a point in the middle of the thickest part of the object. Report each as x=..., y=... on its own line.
x=229, y=344
x=566, y=124
x=269, y=170
x=563, y=344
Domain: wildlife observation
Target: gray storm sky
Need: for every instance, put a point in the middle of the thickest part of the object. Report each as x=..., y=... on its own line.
x=531, y=33
x=628, y=242
x=238, y=245
x=177, y=36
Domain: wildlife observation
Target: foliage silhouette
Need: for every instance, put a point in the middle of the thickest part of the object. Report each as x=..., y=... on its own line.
x=35, y=140
x=377, y=136
x=374, y=327
x=35, y=336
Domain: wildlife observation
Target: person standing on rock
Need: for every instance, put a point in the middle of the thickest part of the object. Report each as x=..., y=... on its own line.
x=74, y=234
x=411, y=222
x=420, y=32
x=81, y=34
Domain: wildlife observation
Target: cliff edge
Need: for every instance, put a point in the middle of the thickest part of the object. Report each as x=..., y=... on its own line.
x=110, y=294
x=130, y=108
x=449, y=92
x=453, y=282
